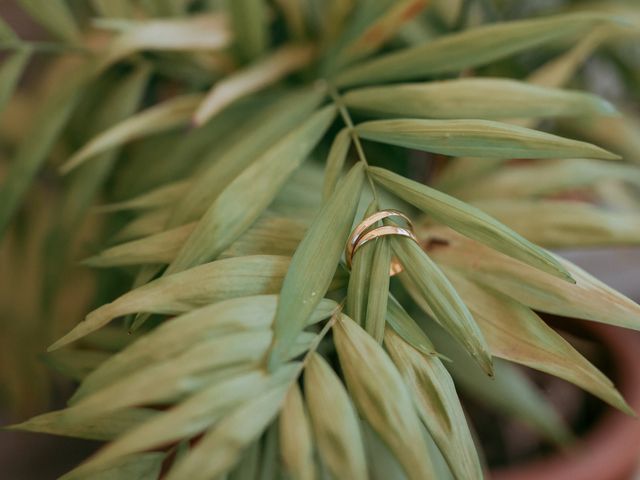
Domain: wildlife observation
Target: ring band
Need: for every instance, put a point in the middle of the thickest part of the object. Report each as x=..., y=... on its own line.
x=363, y=234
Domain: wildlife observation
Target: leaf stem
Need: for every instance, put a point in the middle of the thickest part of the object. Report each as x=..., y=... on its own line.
x=346, y=117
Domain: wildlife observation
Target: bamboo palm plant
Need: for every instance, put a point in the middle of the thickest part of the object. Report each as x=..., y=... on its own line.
x=227, y=149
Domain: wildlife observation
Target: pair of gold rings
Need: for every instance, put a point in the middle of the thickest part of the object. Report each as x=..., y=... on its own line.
x=366, y=231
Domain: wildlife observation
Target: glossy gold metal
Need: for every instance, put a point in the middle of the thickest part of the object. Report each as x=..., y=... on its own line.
x=364, y=233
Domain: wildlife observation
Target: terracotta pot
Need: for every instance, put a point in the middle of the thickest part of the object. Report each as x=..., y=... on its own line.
x=611, y=450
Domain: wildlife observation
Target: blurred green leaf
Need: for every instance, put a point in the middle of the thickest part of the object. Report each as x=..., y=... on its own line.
x=10, y=73
x=55, y=16
x=145, y=466
x=473, y=47
x=250, y=19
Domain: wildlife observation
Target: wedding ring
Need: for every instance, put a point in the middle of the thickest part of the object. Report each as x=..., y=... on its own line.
x=364, y=233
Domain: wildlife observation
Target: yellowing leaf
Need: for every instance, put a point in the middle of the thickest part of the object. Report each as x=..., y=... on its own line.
x=334, y=420
x=469, y=221
x=481, y=98
x=253, y=78
x=319, y=252
x=588, y=298
x=382, y=397
x=477, y=138
x=517, y=334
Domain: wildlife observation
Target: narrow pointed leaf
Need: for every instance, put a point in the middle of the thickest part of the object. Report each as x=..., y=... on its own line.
x=107, y=427
x=296, y=443
x=437, y=404
x=175, y=336
x=249, y=194
x=375, y=319
x=221, y=447
x=184, y=291
x=334, y=420
x=477, y=138
x=255, y=77
x=481, y=98
x=469, y=221
x=335, y=162
x=588, y=298
x=145, y=466
x=473, y=47
x=319, y=252
x=517, y=334
x=159, y=197
x=402, y=324
x=434, y=292
x=382, y=398
x=156, y=119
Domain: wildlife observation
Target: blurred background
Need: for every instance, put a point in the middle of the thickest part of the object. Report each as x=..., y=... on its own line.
x=31, y=316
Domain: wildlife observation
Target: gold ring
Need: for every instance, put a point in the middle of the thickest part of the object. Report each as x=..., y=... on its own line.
x=363, y=234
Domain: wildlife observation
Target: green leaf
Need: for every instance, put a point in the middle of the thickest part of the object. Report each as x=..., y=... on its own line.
x=556, y=223
x=433, y=291
x=335, y=162
x=381, y=397
x=375, y=319
x=473, y=47
x=478, y=98
x=510, y=392
x=190, y=418
x=221, y=447
x=184, y=291
x=401, y=323
x=477, y=138
x=159, y=118
x=10, y=73
x=145, y=466
x=517, y=334
x=113, y=8
x=296, y=443
x=437, y=404
x=334, y=420
x=207, y=32
x=255, y=77
x=319, y=252
x=250, y=19
x=163, y=196
x=249, y=194
x=469, y=221
x=221, y=166
x=107, y=427
x=587, y=298
x=55, y=16
x=177, y=335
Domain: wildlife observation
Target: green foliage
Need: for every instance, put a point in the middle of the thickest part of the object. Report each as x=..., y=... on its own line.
x=196, y=130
